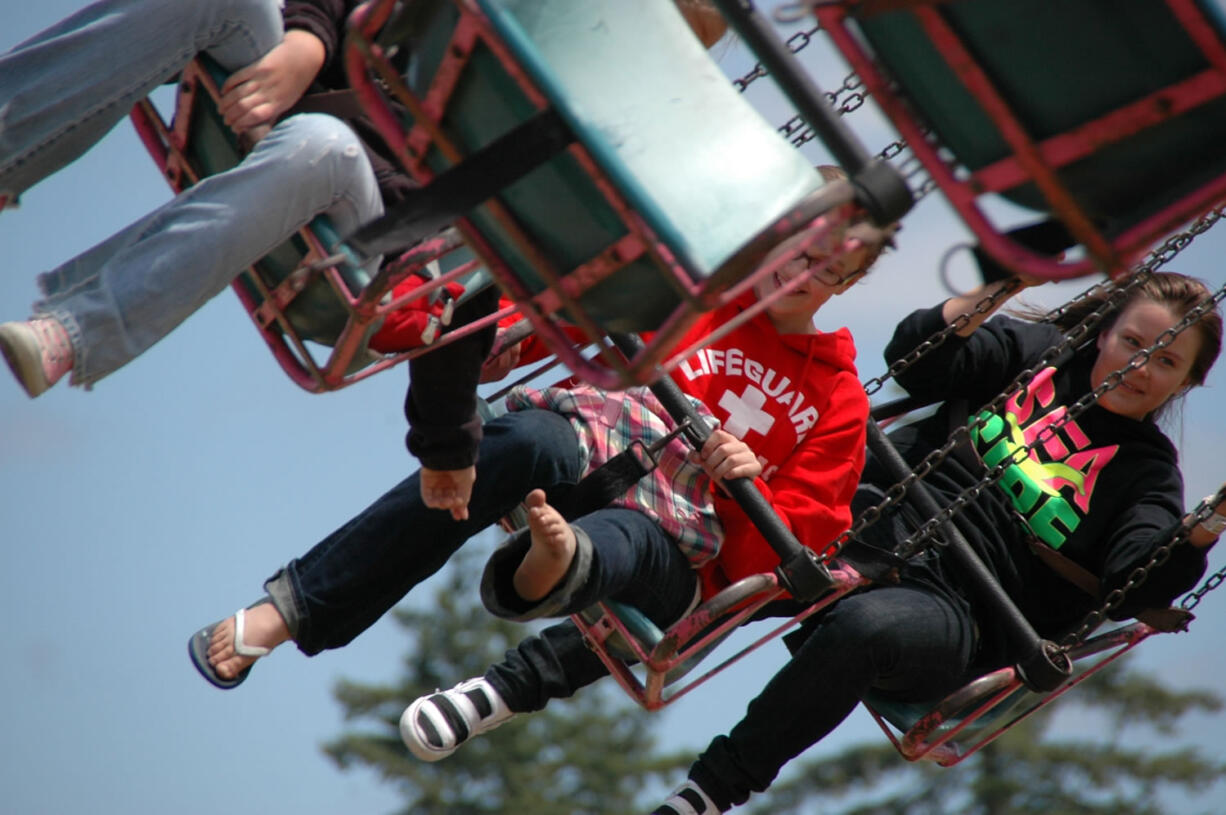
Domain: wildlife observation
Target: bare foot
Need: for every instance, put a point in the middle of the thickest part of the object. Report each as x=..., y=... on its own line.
x=552, y=549
x=264, y=629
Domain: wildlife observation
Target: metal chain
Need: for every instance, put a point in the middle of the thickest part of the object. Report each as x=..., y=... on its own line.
x=795, y=43
x=1194, y=597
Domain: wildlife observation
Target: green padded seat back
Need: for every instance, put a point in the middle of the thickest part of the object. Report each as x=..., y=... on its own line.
x=905, y=715
x=691, y=157
x=1058, y=65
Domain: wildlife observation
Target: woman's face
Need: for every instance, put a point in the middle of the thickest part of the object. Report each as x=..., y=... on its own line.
x=1147, y=388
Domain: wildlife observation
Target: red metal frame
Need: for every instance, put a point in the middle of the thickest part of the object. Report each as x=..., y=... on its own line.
x=1037, y=161
x=932, y=737
x=688, y=640
x=608, y=370
x=169, y=146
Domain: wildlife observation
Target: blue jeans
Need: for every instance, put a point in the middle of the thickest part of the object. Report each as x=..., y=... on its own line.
x=65, y=88
x=351, y=578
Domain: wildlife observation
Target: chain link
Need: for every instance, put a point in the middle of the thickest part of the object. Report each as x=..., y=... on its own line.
x=795, y=43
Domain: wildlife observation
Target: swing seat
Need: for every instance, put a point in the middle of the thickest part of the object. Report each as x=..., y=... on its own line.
x=311, y=288
x=947, y=731
x=1110, y=117
x=668, y=195
x=649, y=663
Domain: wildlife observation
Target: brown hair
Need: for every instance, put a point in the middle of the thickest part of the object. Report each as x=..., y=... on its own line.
x=1177, y=292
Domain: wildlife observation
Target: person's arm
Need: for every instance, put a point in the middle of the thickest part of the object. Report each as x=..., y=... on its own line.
x=977, y=367
x=1142, y=523
x=811, y=490
x=323, y=18
x=441, y=407
x=961, y=304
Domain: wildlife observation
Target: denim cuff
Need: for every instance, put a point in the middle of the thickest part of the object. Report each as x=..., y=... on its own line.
x=281, y=591
x=498, y=592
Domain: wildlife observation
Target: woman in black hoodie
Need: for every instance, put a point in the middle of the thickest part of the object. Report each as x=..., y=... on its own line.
x=1101, y=488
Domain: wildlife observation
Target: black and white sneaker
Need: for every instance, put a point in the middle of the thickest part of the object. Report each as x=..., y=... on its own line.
x=688, y=799
x=435, y=725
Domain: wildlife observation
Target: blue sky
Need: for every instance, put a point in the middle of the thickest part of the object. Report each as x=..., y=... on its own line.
x=159, y=501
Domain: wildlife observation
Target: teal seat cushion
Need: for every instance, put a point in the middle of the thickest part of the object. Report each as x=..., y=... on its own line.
x=639, y=90
x=696, y=163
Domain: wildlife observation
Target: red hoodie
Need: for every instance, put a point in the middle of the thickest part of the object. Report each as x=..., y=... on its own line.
x=797, y=401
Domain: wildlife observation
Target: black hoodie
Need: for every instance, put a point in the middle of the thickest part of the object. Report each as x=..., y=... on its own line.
x=1104, y=491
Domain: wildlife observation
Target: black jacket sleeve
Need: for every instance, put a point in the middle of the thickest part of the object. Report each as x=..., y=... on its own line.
x=1146, y=521
x=441, y=405
x=323, y=18
x=977, y=367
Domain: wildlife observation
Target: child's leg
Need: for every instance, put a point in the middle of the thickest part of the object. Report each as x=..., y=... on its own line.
x=617, y=553
x=552, y=551
x=66, y=87
x=551, y=665
x=128, y=292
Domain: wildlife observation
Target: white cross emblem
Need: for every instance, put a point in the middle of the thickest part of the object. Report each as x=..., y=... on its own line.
x=745, y=412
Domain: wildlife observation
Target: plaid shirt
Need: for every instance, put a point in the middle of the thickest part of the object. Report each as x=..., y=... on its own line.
x=676, y=495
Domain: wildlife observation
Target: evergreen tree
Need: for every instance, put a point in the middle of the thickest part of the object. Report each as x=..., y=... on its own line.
x=592, y=755
x=596, y=755
x=1026, y=771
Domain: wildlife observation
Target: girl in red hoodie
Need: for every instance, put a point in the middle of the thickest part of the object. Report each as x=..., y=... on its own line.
x=792, y=415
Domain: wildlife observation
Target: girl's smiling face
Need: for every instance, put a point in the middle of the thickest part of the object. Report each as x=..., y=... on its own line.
x=1144, y=390
x=793, y=312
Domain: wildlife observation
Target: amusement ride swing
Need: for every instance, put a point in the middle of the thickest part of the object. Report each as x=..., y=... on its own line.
x=547, y=166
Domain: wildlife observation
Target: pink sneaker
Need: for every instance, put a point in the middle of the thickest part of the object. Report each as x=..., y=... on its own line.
x=38, y=351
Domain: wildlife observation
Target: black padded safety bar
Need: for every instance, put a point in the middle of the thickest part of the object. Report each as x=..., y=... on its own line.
x=464, y=186
x=1042, y=664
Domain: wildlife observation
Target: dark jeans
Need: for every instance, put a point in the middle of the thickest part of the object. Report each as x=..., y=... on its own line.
x=621, y=554
x=910, y=641
x=633, y=561
x=551, y=665
x=351, y=578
